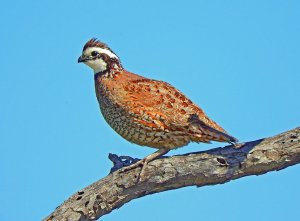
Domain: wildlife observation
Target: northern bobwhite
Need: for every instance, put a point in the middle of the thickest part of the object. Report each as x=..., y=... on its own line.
x=144, y=111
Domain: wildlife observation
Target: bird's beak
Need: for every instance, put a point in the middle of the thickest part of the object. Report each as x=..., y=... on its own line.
x=81, y=59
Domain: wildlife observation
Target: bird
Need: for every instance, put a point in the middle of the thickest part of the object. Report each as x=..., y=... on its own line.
x=144, y=111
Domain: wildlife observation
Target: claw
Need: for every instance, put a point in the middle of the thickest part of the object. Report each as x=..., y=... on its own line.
x=144, y=163
x=132, y=166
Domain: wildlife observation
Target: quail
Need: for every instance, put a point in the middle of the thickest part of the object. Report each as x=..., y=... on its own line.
x=144, y=111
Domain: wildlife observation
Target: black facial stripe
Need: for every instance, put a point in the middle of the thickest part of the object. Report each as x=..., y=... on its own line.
x=96, y=57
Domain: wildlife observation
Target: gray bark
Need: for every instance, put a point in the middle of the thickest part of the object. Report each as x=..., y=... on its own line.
x=210, y=167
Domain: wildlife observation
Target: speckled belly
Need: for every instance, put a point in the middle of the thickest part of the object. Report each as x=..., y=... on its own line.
x=126, y=125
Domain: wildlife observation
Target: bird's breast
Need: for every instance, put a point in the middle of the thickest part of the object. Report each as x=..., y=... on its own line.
x=135, y=125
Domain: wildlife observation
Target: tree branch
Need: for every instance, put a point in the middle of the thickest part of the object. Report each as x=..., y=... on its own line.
x=210, y=167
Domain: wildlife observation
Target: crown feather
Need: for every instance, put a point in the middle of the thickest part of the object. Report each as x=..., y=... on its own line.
x=94, y=42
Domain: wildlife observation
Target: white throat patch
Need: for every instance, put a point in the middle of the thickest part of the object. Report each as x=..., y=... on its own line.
x=98, y=64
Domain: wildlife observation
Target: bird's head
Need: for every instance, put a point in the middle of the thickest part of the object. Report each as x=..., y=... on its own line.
x=99, y=57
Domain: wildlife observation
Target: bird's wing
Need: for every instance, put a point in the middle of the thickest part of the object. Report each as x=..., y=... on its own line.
x=165, y=107
x=145, y=103
x=163, y=103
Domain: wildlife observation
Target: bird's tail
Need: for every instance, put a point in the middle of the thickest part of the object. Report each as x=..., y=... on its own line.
x=224, y=137
x=217, y=135
x=208, y=133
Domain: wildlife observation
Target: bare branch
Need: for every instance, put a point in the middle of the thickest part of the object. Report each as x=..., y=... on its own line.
x=210, y=167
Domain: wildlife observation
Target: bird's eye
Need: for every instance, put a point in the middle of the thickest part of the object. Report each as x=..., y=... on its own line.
x=94, y=53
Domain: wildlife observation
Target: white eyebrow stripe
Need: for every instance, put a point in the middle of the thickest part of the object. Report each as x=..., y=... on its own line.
x=102, y=51
x=108, y=52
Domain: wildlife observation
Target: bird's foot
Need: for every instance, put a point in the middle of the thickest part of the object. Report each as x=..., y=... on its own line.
x=141, y=163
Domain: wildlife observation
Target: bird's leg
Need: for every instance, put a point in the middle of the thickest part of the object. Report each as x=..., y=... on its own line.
x=151, y=157
x=145, y=161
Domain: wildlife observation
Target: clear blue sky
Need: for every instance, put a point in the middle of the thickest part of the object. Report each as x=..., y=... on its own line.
x=239, y=60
